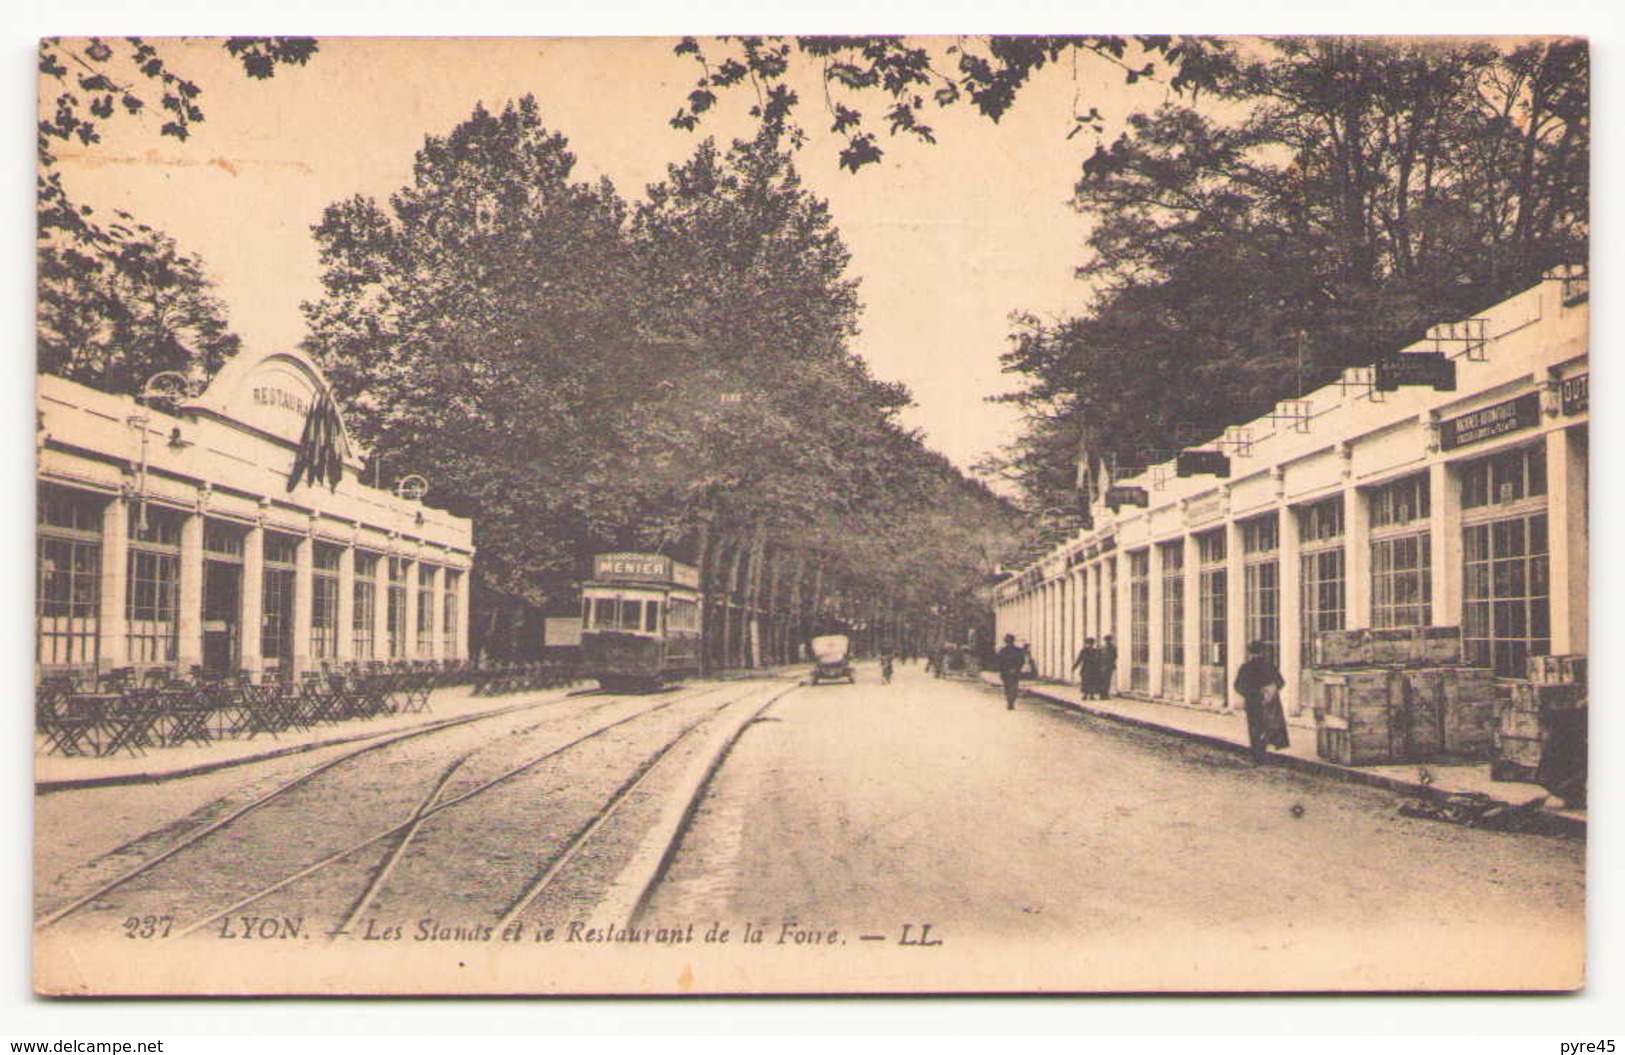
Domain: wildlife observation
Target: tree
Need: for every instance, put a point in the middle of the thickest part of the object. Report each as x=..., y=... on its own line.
x=987, y=73
x=1369, y=189
x=121, y=301
x=114, y=318
x=480, y=328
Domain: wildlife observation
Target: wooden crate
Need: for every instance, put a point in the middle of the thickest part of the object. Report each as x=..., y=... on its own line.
x=1538, y=699
x=1517, y=755
x=1422, y=646
x=1422, y=721
x=1437, y=646
x=1470, y=713
x=1520, y=725
x=1342, y=648
x=1362, y=711
x=1557, y=670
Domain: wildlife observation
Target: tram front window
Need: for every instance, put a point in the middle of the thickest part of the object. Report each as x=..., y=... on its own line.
x=651, y=617
x=603, y=613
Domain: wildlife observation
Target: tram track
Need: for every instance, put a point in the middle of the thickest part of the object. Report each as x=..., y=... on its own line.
x=434, y=804
x=282, y=791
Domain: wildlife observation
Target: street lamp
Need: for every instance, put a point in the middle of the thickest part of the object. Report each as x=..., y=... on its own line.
x=153, y=386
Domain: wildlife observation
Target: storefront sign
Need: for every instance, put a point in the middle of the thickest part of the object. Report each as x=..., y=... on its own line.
x=1123, y=495
x=1204, y=509
x=1574, y=393
x=1493, y=421
x=1415, y=368
x=1202, y=463
x=631, y=566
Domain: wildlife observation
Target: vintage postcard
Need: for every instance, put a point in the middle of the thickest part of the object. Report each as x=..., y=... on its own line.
x=811, y=515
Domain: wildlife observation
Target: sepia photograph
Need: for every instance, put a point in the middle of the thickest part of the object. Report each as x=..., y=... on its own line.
x=811, y=515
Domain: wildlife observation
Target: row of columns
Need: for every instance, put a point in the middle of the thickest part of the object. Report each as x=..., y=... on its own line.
x=1058, y=614
x=113, y=647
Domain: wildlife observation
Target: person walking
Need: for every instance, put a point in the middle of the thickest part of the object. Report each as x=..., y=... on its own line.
x=1012, y=661
x=885, y=667
x=1088, y=667
x=1259, y=685
x=1108, y=665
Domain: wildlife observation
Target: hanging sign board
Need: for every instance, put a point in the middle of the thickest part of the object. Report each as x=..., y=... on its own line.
x=1202, y=463
x=1575, y=394
x=1490, y=422
x=1126, y=495
x=1415, y=368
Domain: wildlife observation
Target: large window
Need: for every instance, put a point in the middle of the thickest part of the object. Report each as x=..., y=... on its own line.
x=449, y=614
x=1322, y=572
x=1261, y=571
x=425, y=627
x=1173, y=617
x=1506, y=602
x=152, y=600
x=364, y=614
x=395, y=616
x=324, y=602
x=1212, y=607
x=1139, y=620
x=1401, y=554
x=276, y=602
x=68, y=592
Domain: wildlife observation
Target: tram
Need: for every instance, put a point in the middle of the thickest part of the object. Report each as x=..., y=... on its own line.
x=640, y=621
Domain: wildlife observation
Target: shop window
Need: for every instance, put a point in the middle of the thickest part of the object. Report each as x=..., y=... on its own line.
x=1321, y=522
x=1506, y=589
x=1322, y=570
x=68, y=566
x=1401, y=555
x=1505, y=478
x=1212, y=602
x=1173, y=617
x=395, y=615
x=276, y=599
x=1401, y=502
x=364, y=598
x=425, y=627
x=1401, y=581
x=152, y=599
x=449, y=613
x=1261, y=579
x=324, y=602
x=1139, y=616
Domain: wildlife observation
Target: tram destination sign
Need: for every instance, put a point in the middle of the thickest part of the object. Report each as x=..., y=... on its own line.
x=1490, y=422
x=1415, y=368
x=631, y=567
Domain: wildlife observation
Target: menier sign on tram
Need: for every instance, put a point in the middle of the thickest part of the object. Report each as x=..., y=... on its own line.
x=633, y=567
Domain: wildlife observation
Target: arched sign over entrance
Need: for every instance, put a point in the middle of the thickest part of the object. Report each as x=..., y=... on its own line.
x=283, y=397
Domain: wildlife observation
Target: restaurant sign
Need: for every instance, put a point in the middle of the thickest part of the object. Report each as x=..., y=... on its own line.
x=1490, y=422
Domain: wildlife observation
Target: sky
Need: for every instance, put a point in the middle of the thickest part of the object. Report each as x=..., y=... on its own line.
x=946, y=240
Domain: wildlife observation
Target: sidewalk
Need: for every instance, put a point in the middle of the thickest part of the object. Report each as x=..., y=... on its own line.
x=59, y=773
x=1227, y=729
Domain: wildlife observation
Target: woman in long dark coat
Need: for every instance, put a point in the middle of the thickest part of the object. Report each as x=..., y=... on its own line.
x=1259, y=684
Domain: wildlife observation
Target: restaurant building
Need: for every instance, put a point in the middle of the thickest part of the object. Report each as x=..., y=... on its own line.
x=232, y=535
x=1443, y=487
